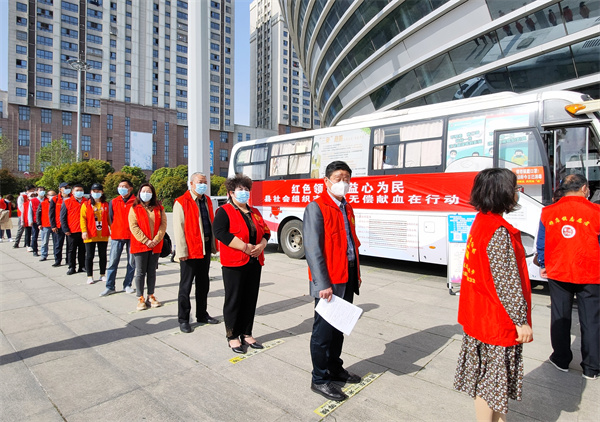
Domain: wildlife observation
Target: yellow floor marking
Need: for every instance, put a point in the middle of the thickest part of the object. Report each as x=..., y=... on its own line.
x=251, y=352
x=350, y=391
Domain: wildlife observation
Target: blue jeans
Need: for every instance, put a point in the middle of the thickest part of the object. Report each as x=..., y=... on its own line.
x=116, y=249
x=45, y=240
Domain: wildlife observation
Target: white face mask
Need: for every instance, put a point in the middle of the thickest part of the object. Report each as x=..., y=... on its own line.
x=340, y=188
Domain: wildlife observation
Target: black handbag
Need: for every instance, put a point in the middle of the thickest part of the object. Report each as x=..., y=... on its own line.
x=166, y=247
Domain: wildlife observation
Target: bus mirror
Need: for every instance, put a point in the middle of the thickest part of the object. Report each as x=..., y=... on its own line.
x=585, y=107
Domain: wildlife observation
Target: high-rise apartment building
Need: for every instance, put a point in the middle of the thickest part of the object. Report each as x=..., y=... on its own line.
x=279, y=93
x=137, y=81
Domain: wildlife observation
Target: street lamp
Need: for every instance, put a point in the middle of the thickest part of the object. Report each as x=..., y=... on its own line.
x=80, y=66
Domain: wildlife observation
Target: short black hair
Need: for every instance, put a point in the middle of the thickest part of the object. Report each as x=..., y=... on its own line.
x=239, y=180
x=77, y=185
x=494, y=191
x=29, y=187
x=152, y=203
x=41, y=187
x=335, y=166
x=572, y=183
x=126, y=181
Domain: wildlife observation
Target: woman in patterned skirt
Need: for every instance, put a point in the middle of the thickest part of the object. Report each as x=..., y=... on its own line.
x=495, y=300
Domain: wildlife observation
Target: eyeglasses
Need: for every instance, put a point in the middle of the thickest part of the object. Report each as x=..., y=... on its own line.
x=520, y=189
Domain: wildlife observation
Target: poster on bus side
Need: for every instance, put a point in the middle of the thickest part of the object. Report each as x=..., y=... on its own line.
x=351, y=146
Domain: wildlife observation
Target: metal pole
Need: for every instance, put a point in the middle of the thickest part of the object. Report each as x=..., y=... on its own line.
x=80, y=66
x=79, y=70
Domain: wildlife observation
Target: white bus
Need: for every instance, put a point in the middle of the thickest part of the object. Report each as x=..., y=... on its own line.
x=414, y=168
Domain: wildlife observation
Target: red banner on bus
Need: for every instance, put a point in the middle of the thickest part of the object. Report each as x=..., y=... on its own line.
x=446, y=192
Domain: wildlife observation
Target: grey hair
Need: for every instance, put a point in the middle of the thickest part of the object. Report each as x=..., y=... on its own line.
x=197, y=173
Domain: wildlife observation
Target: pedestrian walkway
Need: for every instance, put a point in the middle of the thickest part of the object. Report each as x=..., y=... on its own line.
x=68, y=354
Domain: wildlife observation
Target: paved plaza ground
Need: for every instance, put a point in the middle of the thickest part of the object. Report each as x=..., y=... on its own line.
x=68, y=354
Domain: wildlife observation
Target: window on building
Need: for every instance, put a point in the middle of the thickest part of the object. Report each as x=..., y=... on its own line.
x=46, y=138
x=223, y=137
x=68, y=138
x=23, y=137
x=86, y=120
x=86, y=143
x=46, y=115
x=67, y=118
x=154, y=127
x=23, y=164
x=24, y=113
x=109, y=121
x=224, y=155
x=185, y=151
x=109, y=144
x=214, y=120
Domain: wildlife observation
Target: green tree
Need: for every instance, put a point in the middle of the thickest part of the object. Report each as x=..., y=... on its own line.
x=84, y=172
x=8, y=183
x=168, y=189
x=112, y=180
x=215, y=184
x=181, y=171
x=134, y=171
x=5, y=152
x=56, y=153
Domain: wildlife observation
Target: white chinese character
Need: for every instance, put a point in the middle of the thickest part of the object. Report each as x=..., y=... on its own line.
x=451, y=199
x=295, y=198
x=276, y=198
x=305, y=188
x=398, y=186
x=305, y=198
x=398, y=199
x=414, y=199
x=267, y=198
x=318, y=188
x=286, y=198
x=432, y=198
x=368, y=199
x=382, y=199
x=295, y=188
x=382, y=187
x=353, y=199
x=367, y=188
x=353, y=187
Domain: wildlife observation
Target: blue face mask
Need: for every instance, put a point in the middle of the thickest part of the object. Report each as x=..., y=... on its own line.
x=67, y=191
x=123, y=191
x=242, y=196
x=78, y=194
x=41, y=194
x=145, y=196
x=96, y=195
x=201, y=188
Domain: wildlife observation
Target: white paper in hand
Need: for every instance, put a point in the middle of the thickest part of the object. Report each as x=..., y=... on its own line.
x=341, y=314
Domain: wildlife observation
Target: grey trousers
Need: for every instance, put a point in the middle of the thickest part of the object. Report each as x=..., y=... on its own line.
x=145, y=268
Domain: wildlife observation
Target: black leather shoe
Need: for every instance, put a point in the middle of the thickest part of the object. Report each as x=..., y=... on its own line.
x=56, y=264
x=208, y=320
x=15, y=246
x=329, y=391
x=81, y=270
x=36, y=254
x=71, y=271
x=185, y=327
x=238, y=349
x=346, y=376
x=43, y=259
x=255, y=345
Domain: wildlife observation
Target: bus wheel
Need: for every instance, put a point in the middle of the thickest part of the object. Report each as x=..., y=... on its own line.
x=291, y=239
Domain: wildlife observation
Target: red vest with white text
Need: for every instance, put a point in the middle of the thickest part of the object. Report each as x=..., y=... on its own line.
x=480, y=311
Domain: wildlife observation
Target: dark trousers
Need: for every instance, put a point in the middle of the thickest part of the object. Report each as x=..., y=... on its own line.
x=75, y=251
x=588, y=306
x=90, y=253
x=27, y=241
x=326, y=342
x=58, y=240
x=241, y=294
x=145, y=272
x=35, y=231
x=193, y=271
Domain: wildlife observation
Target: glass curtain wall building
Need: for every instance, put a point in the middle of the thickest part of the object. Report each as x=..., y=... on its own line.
x=364, y=56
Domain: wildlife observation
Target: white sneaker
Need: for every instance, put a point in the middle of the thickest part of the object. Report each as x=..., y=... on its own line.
x=103, y=278
x=10, y=239
x=1, y=240
x=90, y=280
x=129, y=290
x=29, y=249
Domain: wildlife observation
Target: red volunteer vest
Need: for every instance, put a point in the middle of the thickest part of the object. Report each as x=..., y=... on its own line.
x=4, y=205
x=120, y=224
x=26, y=222
x=572, y=251
x=91, y=219
x=74, y=213
x=144, y=224
x=335, y=241
x=45, y=212
x=58, y=200
x=193, y=236
x=480, y=311
x=34, y=203
x=237, y=226
x=24, y=195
